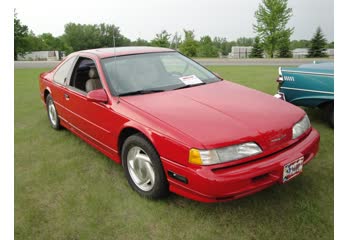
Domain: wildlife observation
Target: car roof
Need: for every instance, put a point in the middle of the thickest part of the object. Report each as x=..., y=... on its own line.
x=120, y=51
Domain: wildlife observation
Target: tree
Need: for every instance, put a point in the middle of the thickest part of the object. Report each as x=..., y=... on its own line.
x=176, y=41
x=124, y=41
x=34, y=43
x=87, y=36
x=284, y=46
x=257, y=51
x=51, y=43
x=246, y=42
x=140, y=42
x=219, y=43
x=189, y=45
x=299, y=44
x=65, y=47
x=108, y=34
x=206, y=48
x=223, y=45
x=330, y=45
x=20, y=37
x=161, y=39
x=318, y=45
x=81, y=36
x=272, y=17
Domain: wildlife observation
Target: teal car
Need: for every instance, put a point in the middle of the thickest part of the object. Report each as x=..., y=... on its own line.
x=309, y=85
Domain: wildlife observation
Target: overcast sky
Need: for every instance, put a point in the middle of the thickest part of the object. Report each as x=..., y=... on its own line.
x=136, y=18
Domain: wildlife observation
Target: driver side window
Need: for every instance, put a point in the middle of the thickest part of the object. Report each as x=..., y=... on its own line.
x=85, y=76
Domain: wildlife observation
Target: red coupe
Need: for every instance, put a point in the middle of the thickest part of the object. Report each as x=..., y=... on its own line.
x=175, y=126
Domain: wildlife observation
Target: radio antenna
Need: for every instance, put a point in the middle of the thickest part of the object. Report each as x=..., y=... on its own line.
x=115, y=63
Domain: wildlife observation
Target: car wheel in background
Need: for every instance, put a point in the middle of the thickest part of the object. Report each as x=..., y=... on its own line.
x=331, y=114
x=52, y=113
x=143, y=168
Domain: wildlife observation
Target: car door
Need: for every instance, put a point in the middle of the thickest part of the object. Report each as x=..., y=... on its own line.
x=94, y=121
x=58, y=87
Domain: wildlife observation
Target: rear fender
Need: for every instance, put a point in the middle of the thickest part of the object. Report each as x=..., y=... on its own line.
x=312, y=101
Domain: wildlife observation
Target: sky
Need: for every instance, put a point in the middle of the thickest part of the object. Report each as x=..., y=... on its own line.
x=136, y=18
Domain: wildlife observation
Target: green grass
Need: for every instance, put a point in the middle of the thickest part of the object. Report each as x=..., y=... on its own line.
x=64, y=189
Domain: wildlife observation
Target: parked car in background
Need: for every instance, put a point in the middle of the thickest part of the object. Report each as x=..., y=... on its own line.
x=309, y=85
x=175, y=126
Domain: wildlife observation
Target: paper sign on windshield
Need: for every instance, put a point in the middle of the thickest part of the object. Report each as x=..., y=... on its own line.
x=190, y=80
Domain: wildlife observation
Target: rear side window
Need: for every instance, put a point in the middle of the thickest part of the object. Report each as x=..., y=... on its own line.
x=62, y=73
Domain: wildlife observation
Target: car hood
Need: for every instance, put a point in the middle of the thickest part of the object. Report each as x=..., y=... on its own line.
x=223, y=113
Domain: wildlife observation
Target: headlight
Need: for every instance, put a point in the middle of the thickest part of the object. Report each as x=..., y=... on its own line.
x=301, y=127
x=226, y=154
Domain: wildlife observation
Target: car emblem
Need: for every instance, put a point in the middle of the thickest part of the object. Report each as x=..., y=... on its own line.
x=288, y=78
x=279, y=138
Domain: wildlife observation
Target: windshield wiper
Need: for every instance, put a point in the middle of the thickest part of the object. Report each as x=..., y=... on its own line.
x=191, y=85
x=142, y=91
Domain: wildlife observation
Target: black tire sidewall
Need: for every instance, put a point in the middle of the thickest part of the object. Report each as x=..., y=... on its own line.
x=160, y=188
x=331, y=114
x=57, y=125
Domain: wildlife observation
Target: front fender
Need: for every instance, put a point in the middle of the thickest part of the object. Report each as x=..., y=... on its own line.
x=166, y=147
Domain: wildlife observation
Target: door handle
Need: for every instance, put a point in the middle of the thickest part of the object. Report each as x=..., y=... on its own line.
x=66, y=96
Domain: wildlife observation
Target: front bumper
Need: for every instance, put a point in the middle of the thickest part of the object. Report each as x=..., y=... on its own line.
x=213, y=184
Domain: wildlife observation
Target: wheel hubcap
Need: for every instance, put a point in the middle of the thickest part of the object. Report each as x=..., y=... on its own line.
x=140, y=168
x=52, y=113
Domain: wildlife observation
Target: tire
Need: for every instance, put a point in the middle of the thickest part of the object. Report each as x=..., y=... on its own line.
x=331, y=114
x=143, y=168
x=52, y=113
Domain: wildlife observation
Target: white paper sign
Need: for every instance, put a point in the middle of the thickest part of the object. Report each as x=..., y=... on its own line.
x=190, y=80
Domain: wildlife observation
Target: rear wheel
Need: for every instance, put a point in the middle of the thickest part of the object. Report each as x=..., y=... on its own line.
x=143, y=168
x=52, y=113
x=328, y=109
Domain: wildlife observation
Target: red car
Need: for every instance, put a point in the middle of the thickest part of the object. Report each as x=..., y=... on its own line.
x=175, y=126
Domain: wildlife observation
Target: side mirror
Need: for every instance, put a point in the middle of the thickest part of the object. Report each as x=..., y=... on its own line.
x=98, y=95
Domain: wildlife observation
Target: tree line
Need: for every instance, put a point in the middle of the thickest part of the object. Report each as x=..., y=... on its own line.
x=78, y=37
x=272, y=37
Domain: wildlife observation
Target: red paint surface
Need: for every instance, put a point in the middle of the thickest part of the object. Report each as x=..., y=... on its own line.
x=203, y=117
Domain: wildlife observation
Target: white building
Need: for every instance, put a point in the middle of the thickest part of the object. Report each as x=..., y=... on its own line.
x=41, y=56
x=300, y=52
x=240, y=52
x=330, y=52
x=303, y=52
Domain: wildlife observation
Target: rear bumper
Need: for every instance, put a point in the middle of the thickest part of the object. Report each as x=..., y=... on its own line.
x=280, y=95
x=213, y=184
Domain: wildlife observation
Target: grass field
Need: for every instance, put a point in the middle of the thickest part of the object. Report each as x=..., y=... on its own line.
x=64, y=189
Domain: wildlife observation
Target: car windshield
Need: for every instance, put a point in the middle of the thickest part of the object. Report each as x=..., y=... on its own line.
x=153, y=72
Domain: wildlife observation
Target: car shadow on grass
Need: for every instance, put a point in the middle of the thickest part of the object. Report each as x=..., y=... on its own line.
x=317, y=116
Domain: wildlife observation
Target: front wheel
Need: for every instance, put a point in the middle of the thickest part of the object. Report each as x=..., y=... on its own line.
x=52, y=113
x=143, y=168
